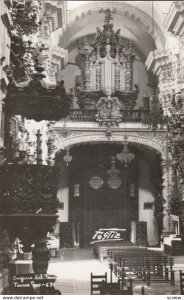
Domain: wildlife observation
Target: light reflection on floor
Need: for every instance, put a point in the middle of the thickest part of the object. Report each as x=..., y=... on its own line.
x=74, y=267
x=78, y=269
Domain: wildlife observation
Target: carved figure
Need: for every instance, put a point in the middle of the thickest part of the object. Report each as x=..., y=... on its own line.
x=98, y=33
x=108, y=111
x=21, y=141
x=108, y=16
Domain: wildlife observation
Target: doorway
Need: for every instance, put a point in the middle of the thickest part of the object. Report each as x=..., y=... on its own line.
x=98, y=198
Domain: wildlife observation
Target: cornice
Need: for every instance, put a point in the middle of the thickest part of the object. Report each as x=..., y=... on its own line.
x=176, y=11
x=153, y=58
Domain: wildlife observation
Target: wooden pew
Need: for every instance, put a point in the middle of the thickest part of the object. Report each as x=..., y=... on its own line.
x=100, y=249
x=146, y=265
x=115, y=289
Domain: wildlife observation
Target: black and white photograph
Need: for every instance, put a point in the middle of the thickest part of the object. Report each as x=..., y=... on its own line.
x=91, y=148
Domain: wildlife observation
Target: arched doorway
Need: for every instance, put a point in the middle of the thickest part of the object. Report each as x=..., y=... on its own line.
x=104, y=200
x=98, y=200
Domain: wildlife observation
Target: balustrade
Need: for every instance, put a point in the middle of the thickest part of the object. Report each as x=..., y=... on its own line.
x=89, y=115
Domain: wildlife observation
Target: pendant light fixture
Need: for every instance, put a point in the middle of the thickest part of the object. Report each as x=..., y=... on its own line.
x=125, y=156
x=114, y=181
x=67, y=158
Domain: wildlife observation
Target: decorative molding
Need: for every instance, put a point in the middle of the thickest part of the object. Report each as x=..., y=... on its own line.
x=169, y=68
x=174, y=20
x=157, y=141
x=106, y=64
x=28, y=189
x=108, y=111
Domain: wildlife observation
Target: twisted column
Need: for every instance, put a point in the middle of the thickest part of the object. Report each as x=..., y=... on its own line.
x=167, y=176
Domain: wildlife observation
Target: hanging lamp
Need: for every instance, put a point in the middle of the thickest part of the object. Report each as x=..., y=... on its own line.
x=114, y=181
x=67, y=158
x=125, y=156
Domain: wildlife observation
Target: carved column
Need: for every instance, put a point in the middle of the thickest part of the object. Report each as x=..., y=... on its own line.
x=127, y=76
x=39, y=148
x=85, y=52
x=129, y=55
x=98, y=77
x=98, y=71
x=86, y=78
x=167, y=175
x=117, y=77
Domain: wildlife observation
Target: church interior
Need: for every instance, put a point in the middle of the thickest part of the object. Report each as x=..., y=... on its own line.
x=91, y=147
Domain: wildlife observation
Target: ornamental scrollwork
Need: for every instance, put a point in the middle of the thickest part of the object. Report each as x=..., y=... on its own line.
x=106, y=55
x=108, y=111
x=176, y=141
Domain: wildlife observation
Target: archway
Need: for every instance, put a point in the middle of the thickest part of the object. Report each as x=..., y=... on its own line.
x=130, y=16
x=94, y=203
x=156, y=141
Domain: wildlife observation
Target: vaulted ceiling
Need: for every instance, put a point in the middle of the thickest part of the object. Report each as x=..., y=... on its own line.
x=139, y=21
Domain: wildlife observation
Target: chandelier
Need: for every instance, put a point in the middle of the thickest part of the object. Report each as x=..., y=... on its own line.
x=125, y=156
x=113, y=172
x=67, y=158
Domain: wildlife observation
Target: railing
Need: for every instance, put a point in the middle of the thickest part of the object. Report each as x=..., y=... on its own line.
x=85, y=115
x=89, y=115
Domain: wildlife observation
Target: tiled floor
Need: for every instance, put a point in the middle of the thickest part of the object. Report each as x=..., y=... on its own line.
x=73, y=268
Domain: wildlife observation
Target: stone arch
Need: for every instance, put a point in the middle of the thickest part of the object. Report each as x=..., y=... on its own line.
x=131, y=12
x=153, y=143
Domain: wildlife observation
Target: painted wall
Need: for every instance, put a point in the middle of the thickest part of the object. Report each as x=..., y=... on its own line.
x=146, y=194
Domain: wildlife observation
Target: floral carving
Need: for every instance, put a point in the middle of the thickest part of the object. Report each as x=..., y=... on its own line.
x=37, y=102
x=28, y=189
x=176, y=146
